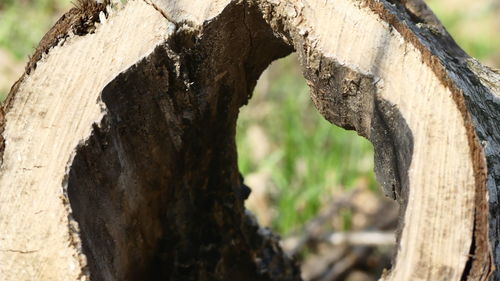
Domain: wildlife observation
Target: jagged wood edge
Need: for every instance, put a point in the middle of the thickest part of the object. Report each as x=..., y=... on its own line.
x=405, y=19
x=451, y=65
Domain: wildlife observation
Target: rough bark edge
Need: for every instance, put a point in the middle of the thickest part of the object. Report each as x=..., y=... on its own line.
x=483, y=102
x=418, y=25
x=399, y=16
x=79, y=20
x=444, y=74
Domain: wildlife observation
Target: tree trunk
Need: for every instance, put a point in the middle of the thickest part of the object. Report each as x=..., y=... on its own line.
x=119, y=158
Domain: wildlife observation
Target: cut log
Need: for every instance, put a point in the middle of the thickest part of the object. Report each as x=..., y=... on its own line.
x=119, y=159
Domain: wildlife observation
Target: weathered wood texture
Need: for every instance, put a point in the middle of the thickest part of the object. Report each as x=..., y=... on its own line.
x=119, y=158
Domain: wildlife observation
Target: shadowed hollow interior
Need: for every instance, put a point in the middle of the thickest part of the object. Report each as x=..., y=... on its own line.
x=156, y=190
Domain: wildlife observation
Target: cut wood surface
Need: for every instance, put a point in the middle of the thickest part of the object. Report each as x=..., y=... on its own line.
x=119, y=159
x=52, y=113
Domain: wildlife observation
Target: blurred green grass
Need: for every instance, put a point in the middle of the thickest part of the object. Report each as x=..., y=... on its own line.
x=23, y=23
x=309, y=159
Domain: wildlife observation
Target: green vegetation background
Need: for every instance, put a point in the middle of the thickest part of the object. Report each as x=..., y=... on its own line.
x=285, y=147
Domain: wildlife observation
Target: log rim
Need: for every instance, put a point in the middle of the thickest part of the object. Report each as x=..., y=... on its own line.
x=407, y=29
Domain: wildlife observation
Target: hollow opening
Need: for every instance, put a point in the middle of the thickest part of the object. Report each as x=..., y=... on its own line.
x=156, y=189
x=313, y=182
x=172, y=201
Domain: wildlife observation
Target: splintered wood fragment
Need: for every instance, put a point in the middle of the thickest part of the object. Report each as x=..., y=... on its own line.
x=366, y=238
x=118, y=146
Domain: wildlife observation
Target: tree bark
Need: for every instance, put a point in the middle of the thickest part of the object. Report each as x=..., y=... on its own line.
x=118, y=144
